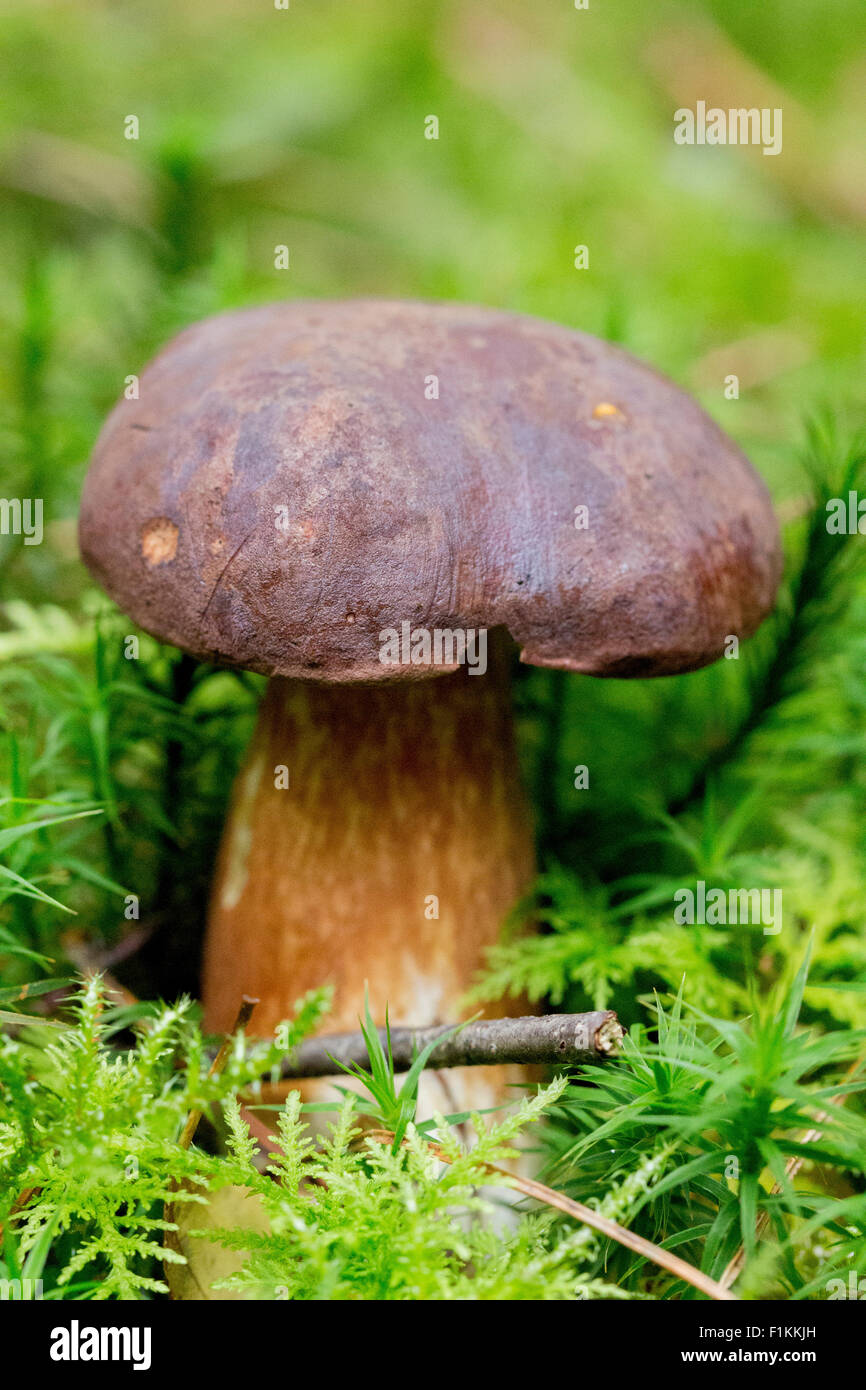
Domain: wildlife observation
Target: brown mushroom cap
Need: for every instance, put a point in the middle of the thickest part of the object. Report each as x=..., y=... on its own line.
x=283, y=491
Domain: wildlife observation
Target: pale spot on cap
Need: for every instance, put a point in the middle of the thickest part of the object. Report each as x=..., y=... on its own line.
x=159, y=541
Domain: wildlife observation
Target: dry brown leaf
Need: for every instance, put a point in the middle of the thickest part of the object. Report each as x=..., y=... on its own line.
x=207, y=1260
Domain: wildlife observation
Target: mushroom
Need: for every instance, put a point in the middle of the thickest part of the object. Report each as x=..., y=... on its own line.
x=306, y=490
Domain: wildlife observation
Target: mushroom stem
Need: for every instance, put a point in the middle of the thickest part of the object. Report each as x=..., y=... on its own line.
x=391, y=858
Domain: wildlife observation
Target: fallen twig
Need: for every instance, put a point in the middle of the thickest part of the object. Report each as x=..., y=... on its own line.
x=217, y=1065
x=551, y=1040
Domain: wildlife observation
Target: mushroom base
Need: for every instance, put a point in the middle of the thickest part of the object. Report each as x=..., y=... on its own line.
x=377, y=835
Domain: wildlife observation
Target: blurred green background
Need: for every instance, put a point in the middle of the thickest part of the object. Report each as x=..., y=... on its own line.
x=260, y=127
x=305, y=127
